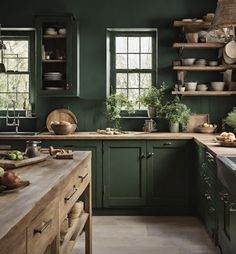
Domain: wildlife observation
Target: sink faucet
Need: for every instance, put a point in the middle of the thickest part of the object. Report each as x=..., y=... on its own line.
x=16, y=121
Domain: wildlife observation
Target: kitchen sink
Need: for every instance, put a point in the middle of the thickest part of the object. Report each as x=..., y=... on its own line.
x=28, y=133
x=226, y=171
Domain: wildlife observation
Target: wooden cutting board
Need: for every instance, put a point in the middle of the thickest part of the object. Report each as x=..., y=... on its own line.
x=11, y=164
x=196, y=120
x=58, y=115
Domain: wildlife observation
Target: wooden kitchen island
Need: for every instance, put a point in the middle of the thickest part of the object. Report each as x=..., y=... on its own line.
x=32, y=219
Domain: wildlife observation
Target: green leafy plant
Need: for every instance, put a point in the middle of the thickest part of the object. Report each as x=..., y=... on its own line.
x=230, y=120
x=176, y=112
x=115, y=103
x=152, y=97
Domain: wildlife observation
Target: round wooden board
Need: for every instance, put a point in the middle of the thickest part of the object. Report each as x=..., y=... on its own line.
x=61, y=114
x=227, y=144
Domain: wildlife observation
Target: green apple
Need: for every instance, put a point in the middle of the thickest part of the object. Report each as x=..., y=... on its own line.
x=11, y=156
x=19, y=157
x=2, y=172
x=18, y=153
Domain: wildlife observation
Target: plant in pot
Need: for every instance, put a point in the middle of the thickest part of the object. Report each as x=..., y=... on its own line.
x=115, y=103
x=176, y=113
x=230, y=120
x=151, y=98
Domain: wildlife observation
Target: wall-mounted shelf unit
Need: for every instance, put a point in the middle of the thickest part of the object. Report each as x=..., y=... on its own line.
x=198, y=45
x=193, y=24
x=200, y=68
x=205, y=93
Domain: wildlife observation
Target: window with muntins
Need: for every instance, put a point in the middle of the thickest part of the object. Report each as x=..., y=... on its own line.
x=132, y=63
x=15, y=83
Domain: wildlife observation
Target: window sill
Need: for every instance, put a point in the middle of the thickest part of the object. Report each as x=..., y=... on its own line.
x=20, y=117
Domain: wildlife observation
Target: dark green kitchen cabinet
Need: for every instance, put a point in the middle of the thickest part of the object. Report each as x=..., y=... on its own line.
x=227, y=220
x=168, y=174
x=124, y=168
x=57, y=55
x=85, y=145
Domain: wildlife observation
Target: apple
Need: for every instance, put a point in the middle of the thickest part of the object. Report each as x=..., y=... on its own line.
x=2, y=171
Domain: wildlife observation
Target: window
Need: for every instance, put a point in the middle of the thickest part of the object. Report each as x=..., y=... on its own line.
x=15, y=84
x=132, y=62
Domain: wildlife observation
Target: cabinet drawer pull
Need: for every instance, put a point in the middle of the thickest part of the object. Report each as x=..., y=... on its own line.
x=149, y=155
x=70, y=195
x=167, y=144
x=41, y=229
x=83, y=177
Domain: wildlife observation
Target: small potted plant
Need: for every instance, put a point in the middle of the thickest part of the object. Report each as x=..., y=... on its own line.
x=230, y=120
x=176, y=113
x=152, y=99
x=115, y=103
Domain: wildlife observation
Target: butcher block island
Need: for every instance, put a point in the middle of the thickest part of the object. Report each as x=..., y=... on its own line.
x=49, y=215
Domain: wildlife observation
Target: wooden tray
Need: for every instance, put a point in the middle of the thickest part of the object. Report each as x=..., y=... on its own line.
x=21, y=185
x=61, y=114
x=227, y=144
x=11, y=164
x=195, y=121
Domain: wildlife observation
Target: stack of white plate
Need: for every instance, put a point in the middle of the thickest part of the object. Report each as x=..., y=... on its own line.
x=52, y=76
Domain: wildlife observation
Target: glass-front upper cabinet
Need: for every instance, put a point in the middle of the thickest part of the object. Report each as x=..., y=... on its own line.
x=57, y=54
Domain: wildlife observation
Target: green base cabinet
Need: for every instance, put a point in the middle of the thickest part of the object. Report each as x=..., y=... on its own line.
x=168, y=174
x=124, y=169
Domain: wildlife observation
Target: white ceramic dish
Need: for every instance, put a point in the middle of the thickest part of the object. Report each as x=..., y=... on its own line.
x=191, y=86
x=202, y=87
x=188, y=61
x=217, y=85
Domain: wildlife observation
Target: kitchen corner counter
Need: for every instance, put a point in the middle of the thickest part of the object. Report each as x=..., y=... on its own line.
x=207, y=140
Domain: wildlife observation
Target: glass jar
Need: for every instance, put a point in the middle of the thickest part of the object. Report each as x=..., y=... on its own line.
x=32, y=149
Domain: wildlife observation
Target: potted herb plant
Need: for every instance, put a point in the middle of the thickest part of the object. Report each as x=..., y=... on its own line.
x=230, y=120
x=152, y=99
x=176, y=113
x=115, y=103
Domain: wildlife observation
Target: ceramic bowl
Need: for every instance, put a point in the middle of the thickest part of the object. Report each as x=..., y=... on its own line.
x=202, y=129
x=62, y=129
x=188, y=61
x=62, y=31
x=191, y=86
x=202, y=87
x=213, y=63
x=217, y=85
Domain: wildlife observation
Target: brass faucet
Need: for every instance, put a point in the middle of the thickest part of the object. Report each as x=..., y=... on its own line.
x=16, y=121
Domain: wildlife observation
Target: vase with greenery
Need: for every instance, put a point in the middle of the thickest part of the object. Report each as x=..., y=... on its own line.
x=176, y=113
x=230, y=120
x=152, y=98
x=115, y=103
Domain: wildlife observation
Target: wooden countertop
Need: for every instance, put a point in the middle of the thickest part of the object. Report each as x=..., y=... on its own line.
x=16, y=207
x=207, y=140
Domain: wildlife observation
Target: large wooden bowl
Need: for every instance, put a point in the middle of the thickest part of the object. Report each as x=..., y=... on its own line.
x=202, y=129
x=63, y=129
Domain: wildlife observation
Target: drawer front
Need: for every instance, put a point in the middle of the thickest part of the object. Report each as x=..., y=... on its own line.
x=43, y=229
x=170, y=143
x=73, y=188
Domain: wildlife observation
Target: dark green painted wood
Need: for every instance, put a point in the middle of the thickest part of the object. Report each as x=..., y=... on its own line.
x=168, y=173
x=124, y=173
x=72, y=56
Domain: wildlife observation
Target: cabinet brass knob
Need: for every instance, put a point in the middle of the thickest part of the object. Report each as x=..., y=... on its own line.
x=149, y=155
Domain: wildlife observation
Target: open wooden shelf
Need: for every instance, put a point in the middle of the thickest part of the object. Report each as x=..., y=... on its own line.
x=200, y=25
x=201, y=68
x=204, y=93
x=199, y=45
x=53, y=61
x=54, y=36
x=73, y=232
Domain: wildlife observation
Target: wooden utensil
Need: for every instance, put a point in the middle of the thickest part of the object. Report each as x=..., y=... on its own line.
x=60, y=115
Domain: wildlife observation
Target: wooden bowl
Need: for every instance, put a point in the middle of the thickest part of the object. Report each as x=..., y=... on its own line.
x=202, y=129
x=63, y=129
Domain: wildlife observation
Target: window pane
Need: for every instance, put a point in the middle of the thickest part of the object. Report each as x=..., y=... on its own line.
x=121, y=80
x=133, y=80
x=146, y=45
x=146, y=61
x=133, y=94
x=145, y=80
x=3, y=100
x=3, y=83
x=121, y=91
x=133, y=43
x=121, y=61
x=18, y=47
x=133, y=61
x=20, y=99
x=19, y=83
x=121, y=44
x=141, y=93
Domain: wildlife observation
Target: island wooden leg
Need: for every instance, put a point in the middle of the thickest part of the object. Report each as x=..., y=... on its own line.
x=88, y=225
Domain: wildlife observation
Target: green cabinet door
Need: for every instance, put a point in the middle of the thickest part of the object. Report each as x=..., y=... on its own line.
x=57, y=55
x=124, y=168
x=84, y=145
x=168, y=174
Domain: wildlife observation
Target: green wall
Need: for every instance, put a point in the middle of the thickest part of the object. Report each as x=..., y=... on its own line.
x=94, y=17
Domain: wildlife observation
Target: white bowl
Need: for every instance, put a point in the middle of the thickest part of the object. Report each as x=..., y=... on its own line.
x=213, y=63
x=188, y=61
x=217, y=85
x=62, y=31
x=202, y=87
x=191, y=86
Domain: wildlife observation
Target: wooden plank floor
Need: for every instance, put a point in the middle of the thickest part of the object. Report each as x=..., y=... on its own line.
x=148, y=235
